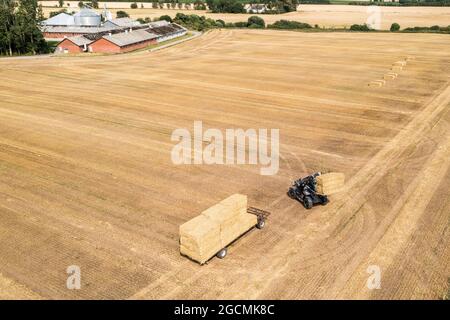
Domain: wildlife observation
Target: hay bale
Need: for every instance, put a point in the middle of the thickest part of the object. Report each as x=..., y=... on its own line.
x=227, y=209
x=395, y=75
x=236, y=202
x=397, y=68
x=330, y=183
x=200, y=238
x=233, y=229
x=375, y=84
x=399, y=63
x=389, y=76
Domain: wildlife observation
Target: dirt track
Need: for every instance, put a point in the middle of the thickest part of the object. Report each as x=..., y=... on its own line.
x=86, y=177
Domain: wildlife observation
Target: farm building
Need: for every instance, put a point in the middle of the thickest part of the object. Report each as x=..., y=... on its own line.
x=123, y=42
x=121, y=22
x=76, y=44
x=168, y=31
x=119, y=40
x=55, y=32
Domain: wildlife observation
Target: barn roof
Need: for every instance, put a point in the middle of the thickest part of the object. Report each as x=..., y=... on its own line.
x=62, y=19
x=128, y=38
x=79, y=40
x=76, y=29
x=124, y=22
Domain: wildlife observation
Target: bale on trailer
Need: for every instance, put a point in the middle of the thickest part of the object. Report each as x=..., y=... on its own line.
x=329, y=183
x=215, y=228
x=200, y=238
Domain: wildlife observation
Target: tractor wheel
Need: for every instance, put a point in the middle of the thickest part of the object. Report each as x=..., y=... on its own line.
x=307, y=202
x=261, y=223
x=291, y=194
x=222, y=253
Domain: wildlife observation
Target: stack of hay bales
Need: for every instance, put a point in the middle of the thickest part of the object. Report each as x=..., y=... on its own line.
x=398, y=66
x=390, y=76
x=218, y=226
x=200, y=238
x=329, y=183
x=377, y=83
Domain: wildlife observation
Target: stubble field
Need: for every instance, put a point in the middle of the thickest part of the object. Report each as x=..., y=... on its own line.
x=86, y=176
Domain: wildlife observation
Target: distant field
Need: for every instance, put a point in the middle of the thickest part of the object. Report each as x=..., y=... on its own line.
x=337, y=16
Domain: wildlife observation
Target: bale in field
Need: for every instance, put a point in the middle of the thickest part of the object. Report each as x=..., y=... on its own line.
x=377, y=83
x=397, y=68
x=330, y=183
x=389, y=76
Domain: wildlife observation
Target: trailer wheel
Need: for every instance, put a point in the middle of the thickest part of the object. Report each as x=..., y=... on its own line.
x=222, y=253
x=307, y=202
x=261, y=223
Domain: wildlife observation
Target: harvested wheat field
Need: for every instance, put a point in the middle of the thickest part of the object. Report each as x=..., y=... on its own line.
x=86, y=176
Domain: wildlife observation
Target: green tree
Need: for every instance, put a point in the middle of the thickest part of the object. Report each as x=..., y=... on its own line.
x=94, y=4
x=122, y=14
x=61, y=3
x=256, y=22
x=166, y=17
x=134, y=5
x=395, y=27
x=80, y=4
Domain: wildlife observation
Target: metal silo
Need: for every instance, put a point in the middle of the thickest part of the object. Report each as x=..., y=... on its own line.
x=87, y=18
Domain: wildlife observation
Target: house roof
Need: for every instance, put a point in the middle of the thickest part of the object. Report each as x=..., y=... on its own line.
x=128, y=38
x=62, y=19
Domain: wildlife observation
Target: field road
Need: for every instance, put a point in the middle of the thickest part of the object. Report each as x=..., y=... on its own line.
x=86, y=177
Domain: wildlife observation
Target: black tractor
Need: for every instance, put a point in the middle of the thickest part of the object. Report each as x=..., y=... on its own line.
x=304, y=190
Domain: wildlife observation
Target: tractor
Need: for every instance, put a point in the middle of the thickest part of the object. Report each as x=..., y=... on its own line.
x=304, y=190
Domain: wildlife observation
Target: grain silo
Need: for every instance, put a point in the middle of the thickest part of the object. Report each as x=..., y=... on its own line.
x=87, y=18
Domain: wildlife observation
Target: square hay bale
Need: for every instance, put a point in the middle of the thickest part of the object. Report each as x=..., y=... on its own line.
x=397, y=68
x=227, y=209
x=330, y=183
x=233, y=229
x=399, y=63
x=395, y=75
x=388, y=76
x=200, y=238
x=236, y=202
x=375, y=84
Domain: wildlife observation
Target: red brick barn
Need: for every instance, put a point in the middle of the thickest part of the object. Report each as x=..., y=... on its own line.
x=73, y=45
x=123, y=42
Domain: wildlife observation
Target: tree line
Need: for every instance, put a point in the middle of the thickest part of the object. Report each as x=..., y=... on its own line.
x=19, y=28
